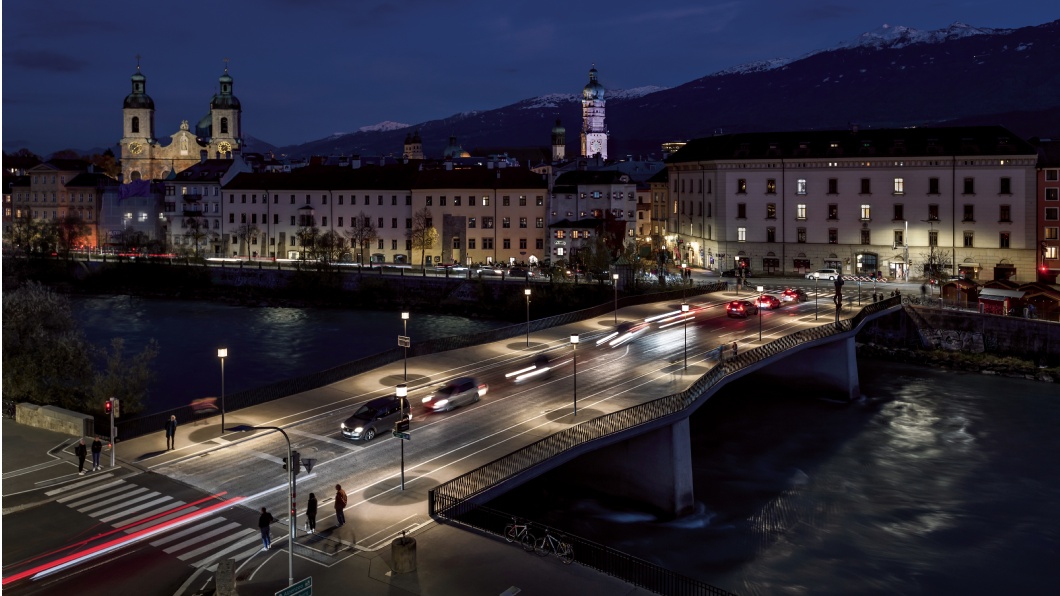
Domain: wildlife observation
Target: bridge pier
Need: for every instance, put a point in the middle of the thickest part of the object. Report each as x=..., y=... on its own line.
x=654, y=468
x=830, y=368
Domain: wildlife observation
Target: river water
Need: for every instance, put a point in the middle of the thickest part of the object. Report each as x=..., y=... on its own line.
x=265, y=344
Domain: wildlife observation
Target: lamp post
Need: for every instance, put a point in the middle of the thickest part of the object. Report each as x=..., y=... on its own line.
x=402, y=393
x=760, y=290
x=526, y=292
x=403, y=341
x=614, y=282
x=290, y=493
x=222, y=353
x=684, y=309
x=816, y=276
x=574, y=346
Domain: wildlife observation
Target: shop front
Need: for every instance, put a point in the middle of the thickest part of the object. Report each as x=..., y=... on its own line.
x=868, y=263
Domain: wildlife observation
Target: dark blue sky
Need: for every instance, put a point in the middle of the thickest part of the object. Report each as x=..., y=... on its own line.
x=306, y=69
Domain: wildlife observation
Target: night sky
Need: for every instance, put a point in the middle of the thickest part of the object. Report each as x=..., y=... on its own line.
x=307, y=69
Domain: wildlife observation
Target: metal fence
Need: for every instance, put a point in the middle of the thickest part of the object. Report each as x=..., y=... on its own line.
x=452, y=500
x=141, y=425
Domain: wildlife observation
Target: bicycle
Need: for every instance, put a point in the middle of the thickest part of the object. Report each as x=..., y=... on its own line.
x=519, y=532
x=556, y=546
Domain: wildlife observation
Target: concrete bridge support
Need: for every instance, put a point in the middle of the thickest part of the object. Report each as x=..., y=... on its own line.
x=654, y=468
x=830, y=369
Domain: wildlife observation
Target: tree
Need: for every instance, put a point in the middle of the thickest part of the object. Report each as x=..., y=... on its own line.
x=197, y=231
x=361, y=233
x=107, y=163
x=129, y=380
x=330, y=245
x=422, y=233
x=307, y=236
x=245, y=232
x=70, y=231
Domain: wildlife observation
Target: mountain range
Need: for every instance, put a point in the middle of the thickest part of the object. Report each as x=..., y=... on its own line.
x=892, y=77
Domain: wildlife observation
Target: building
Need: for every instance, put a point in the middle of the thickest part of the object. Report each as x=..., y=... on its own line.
x=559, y=142
x=1048, y=177
x=58, y=188
x=192, y=206
x=905, y=202
x=143, y=156
x=594, y=131
x=582, y=204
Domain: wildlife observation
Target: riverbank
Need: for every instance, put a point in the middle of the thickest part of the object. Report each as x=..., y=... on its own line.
x=987, y=364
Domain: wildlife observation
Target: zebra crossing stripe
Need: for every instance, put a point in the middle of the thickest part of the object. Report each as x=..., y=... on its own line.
x=216, y=544
x=126, y=503
x=200, y=538
x=182, y=533
x=82, y=484
x=154, y=512
x=135, y=509
x=238, y=545
x=105, y=502
x=250, y=552
x=80, y=494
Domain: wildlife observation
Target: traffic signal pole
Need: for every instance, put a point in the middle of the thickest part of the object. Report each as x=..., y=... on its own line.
x=113, y=442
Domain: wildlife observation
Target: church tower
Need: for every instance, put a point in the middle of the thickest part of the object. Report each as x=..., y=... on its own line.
x=225, y=120
x=594, y=133
x=559, y=142
x=413, y=146
x=138, y=136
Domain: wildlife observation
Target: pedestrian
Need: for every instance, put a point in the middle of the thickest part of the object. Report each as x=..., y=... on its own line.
x=734, y=350
x=81, y=452
x=340, y=504
x=311, y=514
x=171, y=432
x=923, y=291
x=97, y=448
x=263, y=524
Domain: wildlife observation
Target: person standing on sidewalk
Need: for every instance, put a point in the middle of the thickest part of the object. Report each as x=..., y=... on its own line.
x=97, y=448
x=171, y=432
x=340, y=504
x=263, y=524
x=311, y=514
x=735, y=350
x=81, y=452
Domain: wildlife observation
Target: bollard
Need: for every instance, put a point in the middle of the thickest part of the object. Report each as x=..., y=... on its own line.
x=403, y=553
x=224, y=579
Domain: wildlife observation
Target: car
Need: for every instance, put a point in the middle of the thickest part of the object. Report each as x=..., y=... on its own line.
x=625, y=332
x=741, y=308
x=464, y=390
x=770, y=301
x=794, y=295
x=520, y=272
x=540, y=368
x=745, y=273
x=375, y=416
x=828, y=274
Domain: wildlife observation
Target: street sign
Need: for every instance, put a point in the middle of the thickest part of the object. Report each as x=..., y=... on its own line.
x=302, y=588
x=401, y=425
x=401, y=435
x=403, y=341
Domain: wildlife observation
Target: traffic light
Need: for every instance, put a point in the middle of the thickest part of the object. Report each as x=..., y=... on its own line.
x=106, y=407
x=285, y=463
x=295, y=457
x=117, y=406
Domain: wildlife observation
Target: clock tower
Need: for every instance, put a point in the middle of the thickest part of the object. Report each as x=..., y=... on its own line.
x=594, y=133
x=225, y=120
x=138, y=136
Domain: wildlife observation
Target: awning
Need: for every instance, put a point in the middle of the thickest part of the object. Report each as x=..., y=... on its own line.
x=996, y=294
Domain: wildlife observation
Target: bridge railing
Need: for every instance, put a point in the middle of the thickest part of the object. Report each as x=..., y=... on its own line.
x=141, y=425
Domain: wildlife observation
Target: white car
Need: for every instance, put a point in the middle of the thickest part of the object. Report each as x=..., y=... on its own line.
x=829, y=274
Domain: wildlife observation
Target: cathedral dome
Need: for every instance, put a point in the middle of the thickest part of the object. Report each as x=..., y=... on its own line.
x=225, y=100
x=204, y=128
x=139, y=99
x=454, y=150
x=558, y=129
x=594, y=90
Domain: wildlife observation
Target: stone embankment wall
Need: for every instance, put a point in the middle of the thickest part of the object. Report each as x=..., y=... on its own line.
x=57, y=419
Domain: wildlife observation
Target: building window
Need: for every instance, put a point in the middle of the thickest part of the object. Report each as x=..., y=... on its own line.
x=487, y=223
x=485, y=201
x=1050, y=252
x=833, y=236
x=833, y=211
x=522, y=203
x=933, y=186
x=539, y=244
x=741, y=211
x=471, y=244
x=899, y=212
x=800, y=186
x=833, y=186
x=969, y=186
x=1052, y=194
x=899, y=186
x=1052, y=213
x=561, y=234
x=1004, y=213
x=522, y=244
x=471, y=222
x=800, y=211
x=506, y=201
x=1052, y=175
x=540, y=222
x=506, y=222
x=134, y=127
x=800, y=235
x=866, y=186
x=933, y=238
x=1003, y=240
x=741, y=234
x=866, y=213
x=224, y=126
x=866, y=236
x=741, y=186
x=969, y=239
x=933, y=212
x=969, y=212
x=1006, y=185
x=487, y=243
x=771, y=187
x=408, y=223
x=771, y=210
x=393, y=244
x=899, y=238
x=1052, y=233
x=430, y=201
x=506, y=244
x=771, y=234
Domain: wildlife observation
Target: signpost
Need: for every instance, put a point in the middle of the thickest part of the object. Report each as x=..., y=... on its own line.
x=302, y=588
x=402, y=435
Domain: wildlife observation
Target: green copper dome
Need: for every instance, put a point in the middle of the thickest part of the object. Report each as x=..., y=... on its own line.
x=139, y=99
x=594, y=90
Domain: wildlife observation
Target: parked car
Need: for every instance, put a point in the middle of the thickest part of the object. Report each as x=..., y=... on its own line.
x=378, y=415
x=794, y=295
x=769, y=301
x=741, y=308
x=520, y=272
x=828, y=274
x=745, y=273
x=464, y=390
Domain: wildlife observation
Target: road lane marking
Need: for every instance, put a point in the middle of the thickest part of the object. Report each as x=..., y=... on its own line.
x=317, y=437
x=81, y=493
x=205, y=524
x=132, y=501
x=85, y=508
x=137, y=508
x=218, y=543
x=153, y=513
x=250, y=538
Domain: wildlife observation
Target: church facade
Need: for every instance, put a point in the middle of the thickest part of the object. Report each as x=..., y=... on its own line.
x=594, y=132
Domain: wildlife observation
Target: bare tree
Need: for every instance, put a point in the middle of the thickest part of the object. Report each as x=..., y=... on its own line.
x=70, y=231
x=361, y=233
x=245, y=232
x=307, y=236
x=330, y=245
x=422, y=233
x=197, y=231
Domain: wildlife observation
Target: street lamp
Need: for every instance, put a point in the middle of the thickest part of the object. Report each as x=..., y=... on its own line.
x=290, y=493
x=402, y=393
x=403, y=341
x=574, y=346
x=760, y=290
x=684, y=310
x=614, y=282
x=527, y=293
x=222, y=353
x=816, y=276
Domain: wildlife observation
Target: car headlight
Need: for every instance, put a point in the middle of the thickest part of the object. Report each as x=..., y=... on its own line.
x=428, y=398
x=342, y=426
x=358, y=429
x=441, y=403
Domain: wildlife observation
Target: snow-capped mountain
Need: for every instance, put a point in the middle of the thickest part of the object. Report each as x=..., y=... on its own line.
x=383, y=126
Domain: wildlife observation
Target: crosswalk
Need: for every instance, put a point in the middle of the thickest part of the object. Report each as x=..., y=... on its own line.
x=130, y=508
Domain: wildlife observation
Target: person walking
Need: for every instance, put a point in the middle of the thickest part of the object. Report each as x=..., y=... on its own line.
x=97, y=448
x=81, y=452
x=311, y=514
x=340, y=504
x=171, y=432
x=735, y=351
x=263, y=524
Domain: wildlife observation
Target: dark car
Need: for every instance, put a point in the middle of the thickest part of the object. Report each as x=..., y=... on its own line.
x=374, y=417
x=769, y=301
x=745, y=273
x=794, y=295
x=540, y=368
x=741, y=308
x=462, y=391
x=519, y=272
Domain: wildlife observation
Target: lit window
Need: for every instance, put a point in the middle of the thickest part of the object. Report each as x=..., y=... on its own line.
x=800, y=186
x=866, y=212
x=899, y=186
x=741, y=234
x=800, y=211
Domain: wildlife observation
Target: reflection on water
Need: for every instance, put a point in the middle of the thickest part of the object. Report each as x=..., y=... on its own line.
x=265, y=345
x=935, y=483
